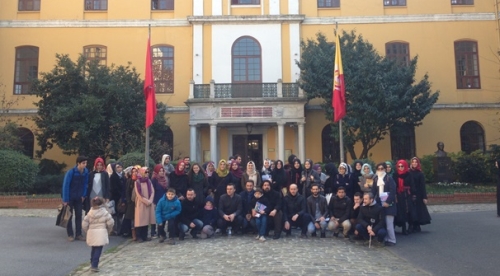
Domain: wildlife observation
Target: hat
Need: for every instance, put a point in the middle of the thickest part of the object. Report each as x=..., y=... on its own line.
x=209, y=198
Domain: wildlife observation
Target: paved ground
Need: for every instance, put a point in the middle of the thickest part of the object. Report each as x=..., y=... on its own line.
x=287, y=256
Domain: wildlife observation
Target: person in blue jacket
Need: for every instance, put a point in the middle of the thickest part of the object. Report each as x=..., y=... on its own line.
x=168, y=208
x=74, y=190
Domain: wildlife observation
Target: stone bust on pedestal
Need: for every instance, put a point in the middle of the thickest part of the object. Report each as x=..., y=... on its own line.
x=442, y=165
x=440, y=152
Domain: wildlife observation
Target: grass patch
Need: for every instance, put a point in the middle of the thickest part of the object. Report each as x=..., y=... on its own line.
x=44, y=196
x=456, y=187
x=112, y=250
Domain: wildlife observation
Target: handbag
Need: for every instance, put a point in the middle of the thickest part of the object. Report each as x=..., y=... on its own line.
x=64, y=215
x=122, y=207
x=111, y=207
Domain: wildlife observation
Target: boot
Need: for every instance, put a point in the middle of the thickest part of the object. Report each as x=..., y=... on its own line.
x=404, y=229
x=134, y=237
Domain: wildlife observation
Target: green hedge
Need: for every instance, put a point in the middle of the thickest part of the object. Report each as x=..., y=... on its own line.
x=18, y=172
x=135, y=158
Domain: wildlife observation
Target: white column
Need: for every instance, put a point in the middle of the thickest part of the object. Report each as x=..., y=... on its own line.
x=198, y=7
x=274, y=7
x=213, y=142
x=192, y=142
x=217, y=8
x=293, y=6
x=198, y=54
x=302, y=151
x=281, y=141
x=294, y=50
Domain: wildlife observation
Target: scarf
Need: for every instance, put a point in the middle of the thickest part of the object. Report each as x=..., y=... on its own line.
x=197, y=177
x=401, y=186
x=389, y=163
x=418, y=168
x=238, y=172
x=208, y=171
x=278, y=175
x=296, y=173
x=179, y=171
x=251, y=172
x=380, y=181
x=160, y=177
x=138, y=185
x=222, y=173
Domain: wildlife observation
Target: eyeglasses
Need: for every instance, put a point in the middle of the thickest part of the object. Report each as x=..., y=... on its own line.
x=401, y=166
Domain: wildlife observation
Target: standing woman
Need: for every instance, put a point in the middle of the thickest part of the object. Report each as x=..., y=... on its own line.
x=197, y=180
x=366, y=181
x=165, y=161
x=390, y=168
x=234, y=176
x=422, y=215
x=279, y=178
x=343, y=179
x=497, y=164
x=356, y=177
x=144, y=206
x=383, y=183
x=220, y=181
x=295, y=173
x=211, y=177
x=179, y=180
x=405, y=197
x=98, y=183
x=266, y=172
x=128, y=221
x=309, y=177
x=160, y=185
x=331, y=176
x=253, y=174
x=118, y=184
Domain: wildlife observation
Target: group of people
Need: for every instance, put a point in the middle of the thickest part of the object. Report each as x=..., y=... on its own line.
x=230, y=198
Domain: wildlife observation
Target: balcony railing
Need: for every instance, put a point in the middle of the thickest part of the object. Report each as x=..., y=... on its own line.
x=245, y=90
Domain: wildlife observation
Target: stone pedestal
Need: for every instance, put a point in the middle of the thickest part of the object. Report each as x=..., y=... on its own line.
x=442, y=169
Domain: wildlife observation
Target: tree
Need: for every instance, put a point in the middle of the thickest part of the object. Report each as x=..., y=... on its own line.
x=380, y=93
x=9, y=138
x=87, y=108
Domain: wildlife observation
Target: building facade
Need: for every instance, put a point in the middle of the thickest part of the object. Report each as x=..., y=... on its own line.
x=227, y=69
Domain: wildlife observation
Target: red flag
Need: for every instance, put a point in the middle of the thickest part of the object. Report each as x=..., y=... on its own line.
x=338, y=97
x=149, y=89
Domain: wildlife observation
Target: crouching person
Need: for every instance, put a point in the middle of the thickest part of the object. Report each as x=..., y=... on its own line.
x=168, y=208
x=371, y=219
x=339, y=208
x=209, y=217
x=98, y=223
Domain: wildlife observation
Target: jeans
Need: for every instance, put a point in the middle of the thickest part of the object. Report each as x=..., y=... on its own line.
x=95, y=254
x=362, y=231
x=76, y=206
x=322, y=227
x=261, y=223
x=118, y=223
x=198, y=225
x=170, y=228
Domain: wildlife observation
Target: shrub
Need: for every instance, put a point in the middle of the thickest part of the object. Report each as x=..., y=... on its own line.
x=472, y=168
x=427, y=164
x=135, y=158
x=18, y=172
x=48, y=184
x=50, y=167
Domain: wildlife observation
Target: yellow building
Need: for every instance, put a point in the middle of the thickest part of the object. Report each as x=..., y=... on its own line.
x=234, y=74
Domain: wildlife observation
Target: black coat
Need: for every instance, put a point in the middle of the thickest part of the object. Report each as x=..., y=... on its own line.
x=200, y=188
x=293, y=205
x=340, y=208
x=190, y=210
x=179, y=183
x=406, y=211
x=274, y=200
x=105, y=186
x=117, y=185
x=372, y=215
x=389, y=187
x=422, y=214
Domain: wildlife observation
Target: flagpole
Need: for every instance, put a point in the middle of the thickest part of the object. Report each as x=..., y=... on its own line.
x=341, y=134
x=146, y=150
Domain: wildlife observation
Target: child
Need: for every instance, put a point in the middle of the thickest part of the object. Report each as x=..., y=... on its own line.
x=98, y=223
x=209, y=217
x=168, y=208
x=260, y=213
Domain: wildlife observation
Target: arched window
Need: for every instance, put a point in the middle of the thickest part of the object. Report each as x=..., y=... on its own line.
x=399, y=52
x=472, y=137
x=26, y=68
x=163, y=68
x=27, y=140
x=402, y=142
x=246, y=60
x=168, y=138
x=330, y=147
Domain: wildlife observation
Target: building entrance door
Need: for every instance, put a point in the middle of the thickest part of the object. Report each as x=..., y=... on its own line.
x=250, y=149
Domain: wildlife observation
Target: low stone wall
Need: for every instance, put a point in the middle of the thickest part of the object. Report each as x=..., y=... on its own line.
x=24, y=202
x=458, y=198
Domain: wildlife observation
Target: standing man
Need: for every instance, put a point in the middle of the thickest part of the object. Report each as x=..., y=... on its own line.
x=188, y=219
x=340, y=209
x=275, y=205
x=318, y=209
x=295, y=212
x=230, y=208
x=74, y=190
x=187, y=164
x=371, y=219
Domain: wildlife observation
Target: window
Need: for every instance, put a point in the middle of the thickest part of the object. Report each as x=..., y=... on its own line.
x=462, y=2
x=394, y=2
x=467, y=65
x=399, y=52
x=162, y=4
x=402, y=142
x=96, y=52
x=27, y=140
x=330, y=147
x=96, y=5
x=246, y=60
x=163, y=68
x=472, y=137
x=245, y=2
x=328, y=3
x=168, y=138
x=26, y=68
x=28, y=5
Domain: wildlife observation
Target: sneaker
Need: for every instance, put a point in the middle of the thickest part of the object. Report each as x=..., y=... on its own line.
x=258, y=236
x=70, y=239
x=262, y=239
x=171, y=241
x=181, y=235
x=94, y=269
x=276, y=236
x=80, y=238
x=162, y=239
x=388, y=243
